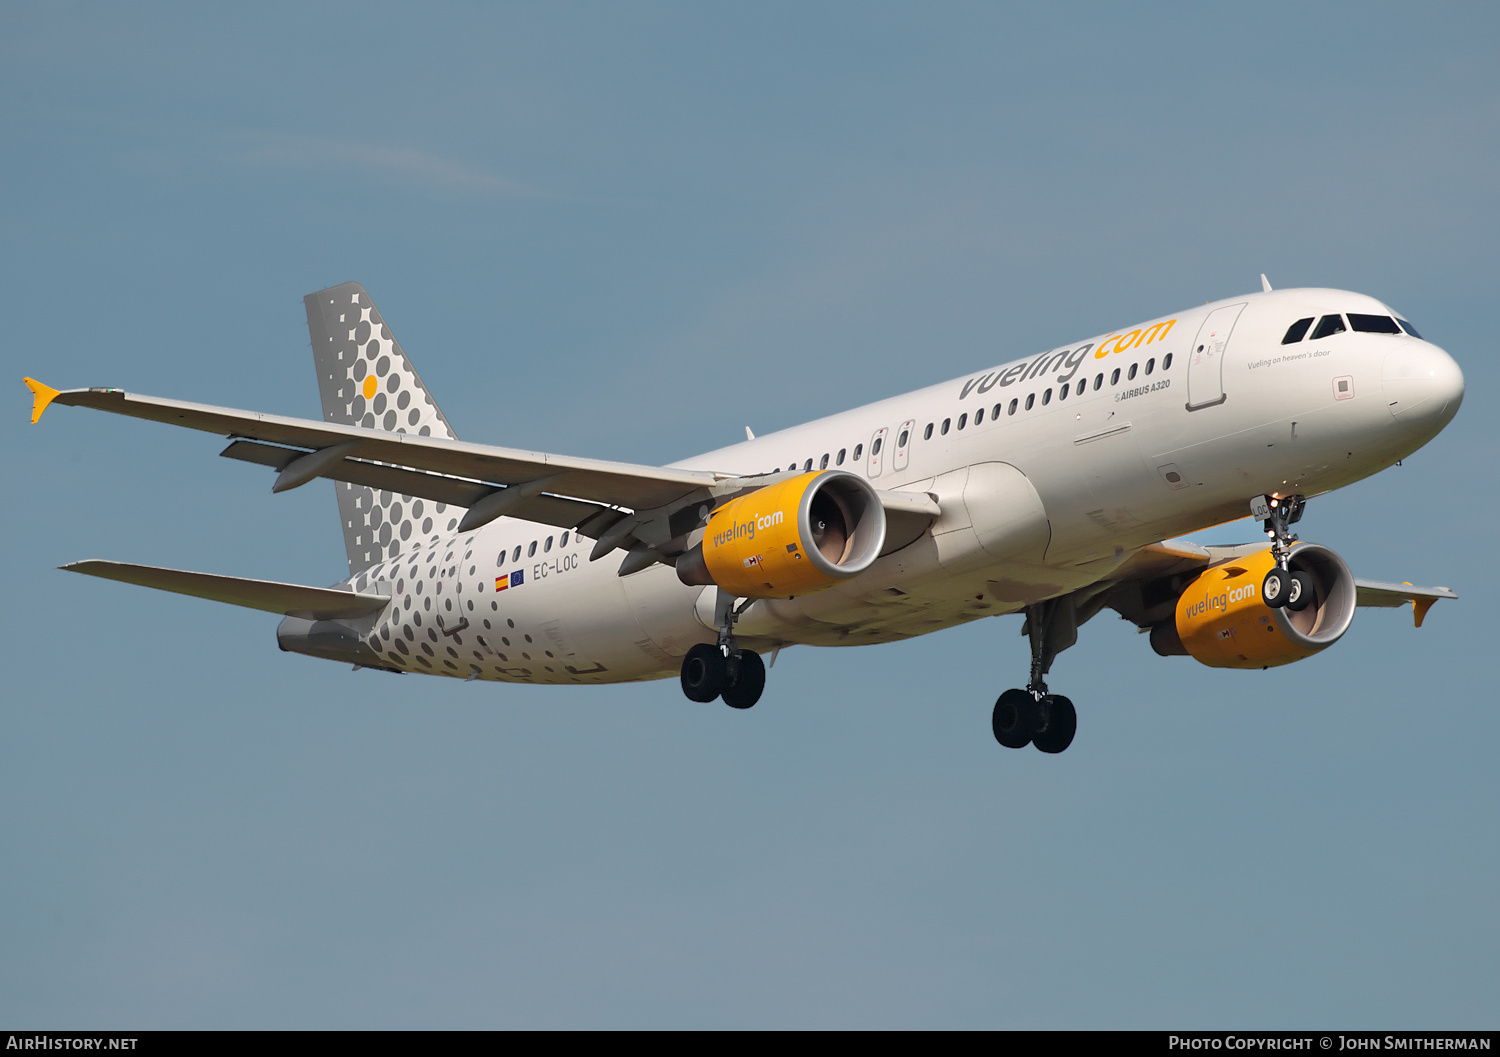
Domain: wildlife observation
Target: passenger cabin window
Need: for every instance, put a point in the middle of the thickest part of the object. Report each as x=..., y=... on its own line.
x=1151, y=365
x=995, y=413
x=1297, y=331
x=905, y=436
x=823, y=462
x=1408, y=328
x=1363, y=324
x=1047, y=397
x=875, y=448
x=1114, y=376
x=564, y=541
x=1166, y=362
x=979, y=416
x=1098, y=382
x=927, y=433
x=1030, y=401
x=1062, y=394
x=946, y=423
x=531, y=550
x=807, y=466
x=547, y=547
x=516, y=556
x=1328, y=325
x=1083, y=383
x=858, y=448
x=1013, y=405
x=1131, y=375
x=840, y=460
x=963, y=420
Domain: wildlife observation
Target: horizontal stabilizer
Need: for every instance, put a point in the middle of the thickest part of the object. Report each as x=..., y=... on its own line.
x=293, y=600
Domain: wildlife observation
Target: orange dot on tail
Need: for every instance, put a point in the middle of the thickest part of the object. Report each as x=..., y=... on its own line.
x=370, y=385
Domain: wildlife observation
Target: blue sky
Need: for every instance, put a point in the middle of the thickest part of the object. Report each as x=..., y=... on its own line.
x=629, y=231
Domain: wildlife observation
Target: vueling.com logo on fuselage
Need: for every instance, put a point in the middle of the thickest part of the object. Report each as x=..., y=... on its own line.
x=746, y=529
x=1058, y=361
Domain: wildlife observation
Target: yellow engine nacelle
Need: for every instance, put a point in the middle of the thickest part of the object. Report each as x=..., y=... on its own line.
x=1222, y=621
x=792, y=538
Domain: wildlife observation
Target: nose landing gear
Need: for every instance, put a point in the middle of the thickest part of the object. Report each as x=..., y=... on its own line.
x=722, y=669
x=1034, y=716
x=1282, y=587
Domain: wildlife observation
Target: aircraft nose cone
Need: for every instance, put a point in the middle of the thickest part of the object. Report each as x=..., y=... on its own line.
x=1423, y=386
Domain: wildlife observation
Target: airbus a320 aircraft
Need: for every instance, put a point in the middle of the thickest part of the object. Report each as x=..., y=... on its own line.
x=1044, y=486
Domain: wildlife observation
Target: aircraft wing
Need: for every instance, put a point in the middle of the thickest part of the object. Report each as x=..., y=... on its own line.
x=1390, y=596
x=1143, y=589
x=449, y=471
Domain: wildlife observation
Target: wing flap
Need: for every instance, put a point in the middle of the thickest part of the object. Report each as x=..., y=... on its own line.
x=436, y=487
x=293, y=600
x=544, y=509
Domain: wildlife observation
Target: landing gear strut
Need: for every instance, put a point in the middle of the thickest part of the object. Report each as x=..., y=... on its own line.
x=1282, y=587
x=1034, y=716
x=723, y=670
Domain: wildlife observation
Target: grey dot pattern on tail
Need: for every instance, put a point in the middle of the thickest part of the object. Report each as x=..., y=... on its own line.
x=365, y=379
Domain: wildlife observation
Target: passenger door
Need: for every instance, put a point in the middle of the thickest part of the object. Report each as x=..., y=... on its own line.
x=1206, y=358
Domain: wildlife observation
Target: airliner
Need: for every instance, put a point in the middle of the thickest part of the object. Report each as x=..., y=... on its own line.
x=1054, y=486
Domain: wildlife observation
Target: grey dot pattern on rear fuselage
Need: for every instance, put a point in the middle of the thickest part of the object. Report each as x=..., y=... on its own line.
x=403, y=541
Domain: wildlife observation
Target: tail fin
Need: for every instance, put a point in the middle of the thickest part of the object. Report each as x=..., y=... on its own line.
x=366, y=380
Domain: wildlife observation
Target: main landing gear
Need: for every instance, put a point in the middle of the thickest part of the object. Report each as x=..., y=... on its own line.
x=722, y=669
x=1282, y=587
x=1034, y=716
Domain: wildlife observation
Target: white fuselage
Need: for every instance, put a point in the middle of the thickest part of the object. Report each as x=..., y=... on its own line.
x=1166, y=428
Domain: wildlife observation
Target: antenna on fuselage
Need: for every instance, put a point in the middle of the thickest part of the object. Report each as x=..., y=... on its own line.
x=1265, y=284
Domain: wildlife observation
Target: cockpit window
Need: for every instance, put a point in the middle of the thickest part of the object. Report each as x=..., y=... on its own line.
x=1297, y=331
x=1408, y=328
x=1373, y=324
x=1329, y=325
